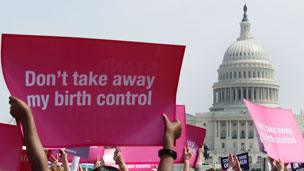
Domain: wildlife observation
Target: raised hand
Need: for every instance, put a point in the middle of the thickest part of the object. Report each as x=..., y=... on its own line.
x=172, y=132
x=19, y=110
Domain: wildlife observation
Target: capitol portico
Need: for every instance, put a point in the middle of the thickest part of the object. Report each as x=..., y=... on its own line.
x=245, y=73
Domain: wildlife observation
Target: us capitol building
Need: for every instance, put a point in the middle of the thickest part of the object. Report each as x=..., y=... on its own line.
x=245, y=73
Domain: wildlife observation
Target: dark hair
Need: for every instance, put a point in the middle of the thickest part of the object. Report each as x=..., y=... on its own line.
x=105, y=168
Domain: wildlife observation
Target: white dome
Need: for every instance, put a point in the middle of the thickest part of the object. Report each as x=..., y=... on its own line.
x=247, y=49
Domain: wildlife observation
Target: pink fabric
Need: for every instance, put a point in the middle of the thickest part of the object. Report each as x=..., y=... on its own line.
x=278, y=131
x=145, y=75
x=195, y=140
x=10, y=147
x=149, y=155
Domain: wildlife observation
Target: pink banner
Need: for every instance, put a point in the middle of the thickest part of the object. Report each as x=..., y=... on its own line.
x=10, y=147
x=149, y=155
x=195, y=140
x=93, y=92
x=278, y=131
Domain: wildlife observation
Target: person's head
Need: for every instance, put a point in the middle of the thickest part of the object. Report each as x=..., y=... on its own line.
x=105, y=168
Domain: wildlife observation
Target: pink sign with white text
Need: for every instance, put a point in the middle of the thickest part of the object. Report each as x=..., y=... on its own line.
x=86, y=92
x=195, y=140
x=10, y=147
x=278, y=131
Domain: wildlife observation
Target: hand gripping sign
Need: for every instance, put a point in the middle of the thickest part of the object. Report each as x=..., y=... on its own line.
x=278, y=132
x=93, y=92
x=195, y=140
x=243, y=159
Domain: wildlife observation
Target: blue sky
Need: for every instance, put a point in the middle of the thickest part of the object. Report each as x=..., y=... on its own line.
x=206, y=27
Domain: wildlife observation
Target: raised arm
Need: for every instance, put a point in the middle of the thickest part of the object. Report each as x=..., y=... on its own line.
x=187, y=157
x=119, y=160
x=237, y=166
x=230, y=162
x=64, y=160
x=167, y=154
x=22, y=113
x=200, y=159
x=277, y=165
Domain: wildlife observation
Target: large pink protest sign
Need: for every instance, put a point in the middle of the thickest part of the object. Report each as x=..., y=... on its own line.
x=10, y=147
x=278, y=131
x=149, y=155
x=93, y=92
x=195, y=140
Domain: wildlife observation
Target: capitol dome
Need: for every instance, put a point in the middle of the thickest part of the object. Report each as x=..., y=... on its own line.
x=247, y=49
x=245, y=73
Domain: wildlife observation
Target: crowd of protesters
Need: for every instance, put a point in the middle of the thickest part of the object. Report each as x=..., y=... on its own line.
x=39, y=162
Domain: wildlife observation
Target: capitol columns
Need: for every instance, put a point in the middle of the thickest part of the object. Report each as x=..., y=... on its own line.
x=238, y=134
x=230, y=129
x=214, y=96
x=227, y=128
x=238, y=129
x=215, y=128
x=236, y=94
x=231, y=94
x=258, y=94
x=267, y=94
x=225, y=94
x=252, y=94
x=272, y=94
x=263, y=94
x=246, y=127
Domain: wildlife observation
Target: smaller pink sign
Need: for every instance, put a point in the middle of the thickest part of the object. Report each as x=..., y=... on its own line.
x=10, y=147
x=278, y=131
x=95, y=153
x=195, y=140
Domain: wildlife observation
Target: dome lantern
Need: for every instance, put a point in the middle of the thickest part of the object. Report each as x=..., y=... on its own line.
x=245, y=26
